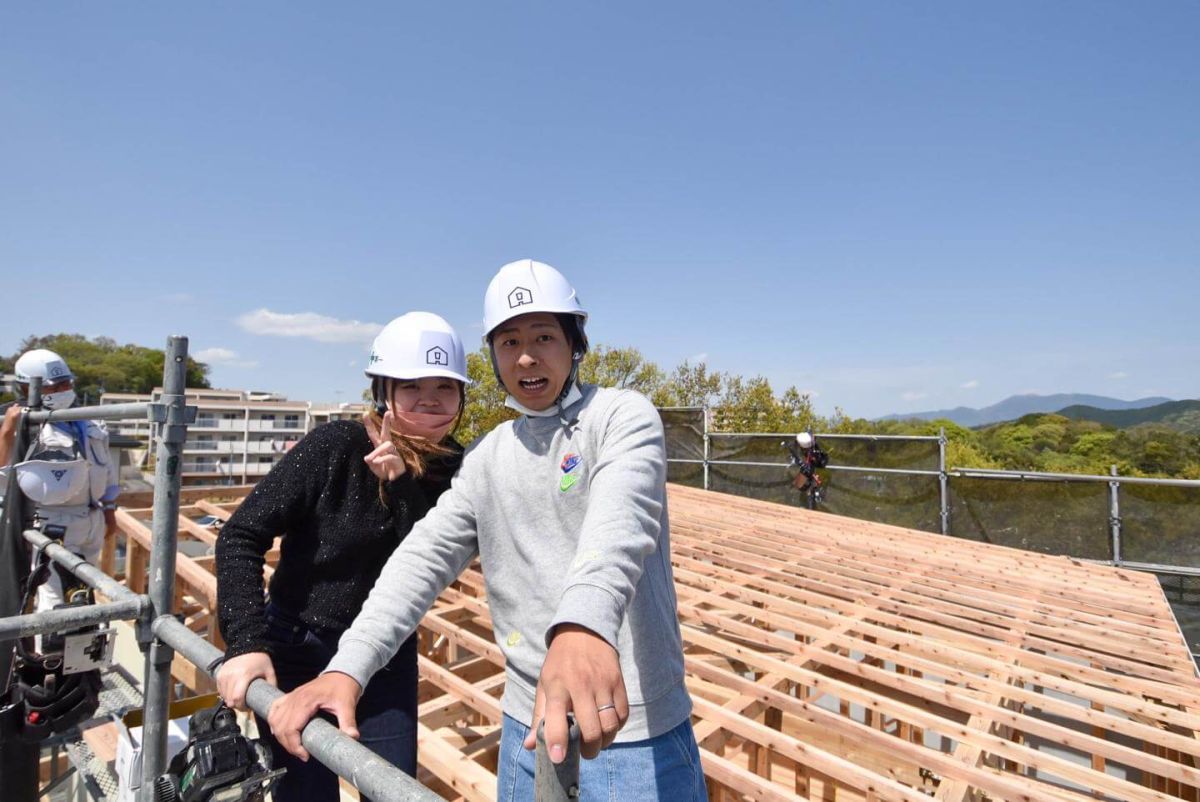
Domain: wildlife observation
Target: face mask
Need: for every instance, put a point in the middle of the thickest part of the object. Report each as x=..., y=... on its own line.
x=432, y=427
x=60, y=400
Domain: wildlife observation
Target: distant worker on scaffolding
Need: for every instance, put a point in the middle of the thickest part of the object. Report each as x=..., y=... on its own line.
x=67, y=471
x=809, y=458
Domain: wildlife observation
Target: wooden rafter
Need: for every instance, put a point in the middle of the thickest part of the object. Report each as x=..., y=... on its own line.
x=831, y=658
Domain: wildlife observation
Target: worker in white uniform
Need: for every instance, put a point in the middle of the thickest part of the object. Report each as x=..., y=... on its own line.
x=68, y=472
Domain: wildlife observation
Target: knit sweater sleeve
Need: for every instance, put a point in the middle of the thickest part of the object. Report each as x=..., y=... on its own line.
x=436, y=551
x=623, y=520
x=277, y=505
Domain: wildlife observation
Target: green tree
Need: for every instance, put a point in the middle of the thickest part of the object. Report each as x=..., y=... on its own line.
x=101, y=364
x=797, y=412
x=689, y=386
x=485, y=408
x=750, y=405
x=1094, y=446
x=624, y=368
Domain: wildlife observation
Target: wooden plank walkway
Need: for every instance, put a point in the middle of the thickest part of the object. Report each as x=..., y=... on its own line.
x=836, y=659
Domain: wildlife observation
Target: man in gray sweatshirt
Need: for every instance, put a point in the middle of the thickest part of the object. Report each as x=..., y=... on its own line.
x=566, y=509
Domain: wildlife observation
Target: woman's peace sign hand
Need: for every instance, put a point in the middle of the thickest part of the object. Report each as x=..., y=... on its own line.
x=384, y=461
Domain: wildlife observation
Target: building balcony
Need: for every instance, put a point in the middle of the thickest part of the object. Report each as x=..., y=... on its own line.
x=276, y=425
x=217, y=446
x=225, y=469
x=219, y=424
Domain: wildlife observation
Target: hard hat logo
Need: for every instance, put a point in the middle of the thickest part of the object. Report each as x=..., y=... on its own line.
x=437, y=356
x=519, y=297
x=58, y=475
x=374, y=358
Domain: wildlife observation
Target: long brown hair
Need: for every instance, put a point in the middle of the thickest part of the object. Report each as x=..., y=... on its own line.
x=415, y=451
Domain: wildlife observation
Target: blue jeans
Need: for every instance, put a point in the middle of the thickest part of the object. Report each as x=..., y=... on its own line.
x=666, y=767
x=386, y=713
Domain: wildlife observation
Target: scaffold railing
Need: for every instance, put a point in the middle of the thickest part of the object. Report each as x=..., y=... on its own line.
x=160, y=634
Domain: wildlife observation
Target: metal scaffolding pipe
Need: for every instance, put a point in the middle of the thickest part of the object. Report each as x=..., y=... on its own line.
x=132, y=411
x=852, y=468
x=828, y=436
x=557, y=782
x=1114, y=515
x=81, y=568
x=1158, y=568
x=371, y=774
x=35, y=393
x=943, y=484
x=156, y=688
x=989, y=473
x=18, y=761
x=65, y=619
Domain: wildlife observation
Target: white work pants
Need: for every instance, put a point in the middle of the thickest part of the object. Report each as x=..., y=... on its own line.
x=85, y=537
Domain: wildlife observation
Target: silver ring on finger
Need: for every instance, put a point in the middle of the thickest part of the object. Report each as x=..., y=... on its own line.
x=609, y=706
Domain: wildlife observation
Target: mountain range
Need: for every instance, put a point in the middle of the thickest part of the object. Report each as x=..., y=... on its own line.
x=1016, y=406
x=1181, y=415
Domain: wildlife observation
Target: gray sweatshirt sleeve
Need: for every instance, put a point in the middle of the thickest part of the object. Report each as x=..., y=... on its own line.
x=623, y=520
x=434, y=553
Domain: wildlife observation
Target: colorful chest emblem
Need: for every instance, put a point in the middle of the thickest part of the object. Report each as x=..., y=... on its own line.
x=569, y=463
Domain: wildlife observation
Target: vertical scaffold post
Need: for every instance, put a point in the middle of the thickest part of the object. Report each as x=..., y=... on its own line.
x=35, y=392
x=167, y=480
x=1114, y=515
x=943, y=482
x=557, y=782
x=18, y=760
x=707, y=450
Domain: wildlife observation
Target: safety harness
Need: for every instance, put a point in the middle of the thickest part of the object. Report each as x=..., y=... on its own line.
x=43, y=696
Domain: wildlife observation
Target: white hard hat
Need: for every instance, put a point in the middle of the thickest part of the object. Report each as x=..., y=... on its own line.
x=53, y=481
x=804, y=440
x=417, y=345
x=41, y=364
x=527, y=286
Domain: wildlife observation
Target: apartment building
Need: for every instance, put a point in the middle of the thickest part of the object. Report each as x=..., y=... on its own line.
x=238, y=435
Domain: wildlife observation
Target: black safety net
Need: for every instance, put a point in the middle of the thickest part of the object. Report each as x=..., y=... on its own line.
x=1069, y=518
x=1160, y=524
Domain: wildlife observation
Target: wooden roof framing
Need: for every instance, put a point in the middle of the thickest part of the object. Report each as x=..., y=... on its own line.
x=836, y=659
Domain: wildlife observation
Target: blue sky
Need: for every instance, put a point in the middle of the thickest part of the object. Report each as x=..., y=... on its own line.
x=894, y=206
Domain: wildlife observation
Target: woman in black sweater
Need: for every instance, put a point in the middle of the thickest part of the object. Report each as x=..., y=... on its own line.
x=341, y=500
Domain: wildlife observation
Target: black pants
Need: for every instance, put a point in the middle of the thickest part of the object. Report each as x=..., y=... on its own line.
x=386, y=713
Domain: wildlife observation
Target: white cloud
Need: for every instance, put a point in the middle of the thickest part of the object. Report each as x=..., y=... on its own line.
x=810, y=393
x=311, y=325
x=970, y=385
x=696, y=359
x=912, y=395
x=223, y=356
x=1120, y=374
x=213, y=355
x=353, y=363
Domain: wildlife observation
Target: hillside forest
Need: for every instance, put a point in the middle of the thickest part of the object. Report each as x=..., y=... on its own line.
x=1139, y=443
